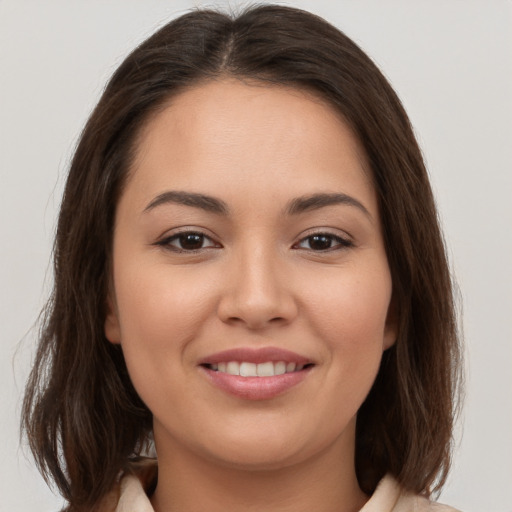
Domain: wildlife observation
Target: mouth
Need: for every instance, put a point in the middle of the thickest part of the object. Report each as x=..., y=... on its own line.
x=256, y=374
x=248, y=369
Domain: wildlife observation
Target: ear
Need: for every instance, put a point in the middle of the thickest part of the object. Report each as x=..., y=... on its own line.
x=112, y=327
x=391, y=327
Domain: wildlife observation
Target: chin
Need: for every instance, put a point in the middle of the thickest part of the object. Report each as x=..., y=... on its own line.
x=260, y=447
x=258, y=457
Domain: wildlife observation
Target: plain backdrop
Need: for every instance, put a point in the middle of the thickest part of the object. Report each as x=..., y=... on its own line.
x=450, y=62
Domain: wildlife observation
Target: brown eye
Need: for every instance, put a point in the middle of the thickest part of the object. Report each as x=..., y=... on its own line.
x=320, y=242
x=188, y=241
x=323, y=242
x=191, y=241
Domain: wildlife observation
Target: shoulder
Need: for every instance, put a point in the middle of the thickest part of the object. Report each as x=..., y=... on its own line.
x=131, y=492
x=390, y=497
x=414, y=503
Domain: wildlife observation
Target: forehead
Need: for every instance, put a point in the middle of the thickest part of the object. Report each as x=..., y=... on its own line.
x=226, y=132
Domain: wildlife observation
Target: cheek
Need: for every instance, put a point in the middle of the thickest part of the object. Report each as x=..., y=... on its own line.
x=352, y=309
x=160, y=312
x=350, y=318
x=158, y=298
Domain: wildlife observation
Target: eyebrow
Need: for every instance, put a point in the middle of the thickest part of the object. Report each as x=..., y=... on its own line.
x=295, y=206
x=204, y=202
x=317, y=201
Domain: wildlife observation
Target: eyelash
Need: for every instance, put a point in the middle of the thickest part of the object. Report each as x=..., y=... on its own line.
x=167, y=242
x=340, y=242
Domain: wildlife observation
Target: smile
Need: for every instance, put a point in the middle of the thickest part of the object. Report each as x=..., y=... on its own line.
x=256, y=374
x=247, y=369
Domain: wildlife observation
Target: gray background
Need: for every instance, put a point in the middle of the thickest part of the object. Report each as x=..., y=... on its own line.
x=451, y=63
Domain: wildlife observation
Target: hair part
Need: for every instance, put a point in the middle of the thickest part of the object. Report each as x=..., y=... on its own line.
x=82, y=417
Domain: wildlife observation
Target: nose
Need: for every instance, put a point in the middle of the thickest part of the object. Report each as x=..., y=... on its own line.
x=257, y=294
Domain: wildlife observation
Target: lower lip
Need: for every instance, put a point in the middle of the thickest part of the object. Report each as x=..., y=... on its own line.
x=255, y=388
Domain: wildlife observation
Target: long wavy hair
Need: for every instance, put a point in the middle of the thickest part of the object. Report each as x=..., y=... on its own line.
x=83, y=419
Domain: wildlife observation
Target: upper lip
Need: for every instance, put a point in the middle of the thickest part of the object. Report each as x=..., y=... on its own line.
x=255, y=355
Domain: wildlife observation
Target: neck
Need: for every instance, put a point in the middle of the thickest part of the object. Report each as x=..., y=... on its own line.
x=324, y=483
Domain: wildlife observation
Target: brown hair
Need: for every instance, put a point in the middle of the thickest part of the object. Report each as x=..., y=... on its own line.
x=82, y=416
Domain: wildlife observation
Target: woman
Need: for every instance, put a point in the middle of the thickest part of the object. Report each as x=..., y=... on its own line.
x=248, y=271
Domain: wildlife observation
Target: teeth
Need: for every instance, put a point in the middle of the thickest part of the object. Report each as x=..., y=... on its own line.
x=248, y=370
x=267, y=369
x=280, y=368
x=233, y=368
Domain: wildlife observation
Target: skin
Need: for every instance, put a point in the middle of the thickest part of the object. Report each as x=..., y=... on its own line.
x=257, y=279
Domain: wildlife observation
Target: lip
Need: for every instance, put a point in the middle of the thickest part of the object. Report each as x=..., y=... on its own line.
x=255, y=388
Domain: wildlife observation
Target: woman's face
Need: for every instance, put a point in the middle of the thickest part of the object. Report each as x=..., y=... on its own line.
x=250, y=286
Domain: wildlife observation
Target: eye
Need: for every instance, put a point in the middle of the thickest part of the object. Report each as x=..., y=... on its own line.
x=323, y=242
x=188, y=241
